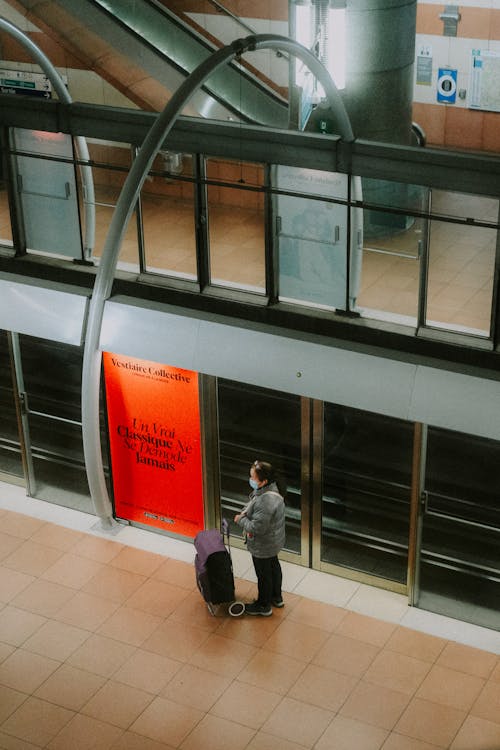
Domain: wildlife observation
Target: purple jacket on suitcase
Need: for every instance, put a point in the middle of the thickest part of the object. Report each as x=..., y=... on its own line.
x=213, y=567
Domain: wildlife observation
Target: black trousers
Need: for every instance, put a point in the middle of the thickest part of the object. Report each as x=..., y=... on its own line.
x=269, y=578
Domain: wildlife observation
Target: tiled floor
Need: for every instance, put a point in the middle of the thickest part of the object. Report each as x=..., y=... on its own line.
x=105, y=642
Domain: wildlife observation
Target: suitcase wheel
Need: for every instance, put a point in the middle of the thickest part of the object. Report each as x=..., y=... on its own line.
x=236, y=609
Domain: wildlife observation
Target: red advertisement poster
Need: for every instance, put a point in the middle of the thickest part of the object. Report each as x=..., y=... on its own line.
x=154, y=432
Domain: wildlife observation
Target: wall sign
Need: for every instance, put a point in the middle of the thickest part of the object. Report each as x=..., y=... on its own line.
x=447, y=85
x=155, y=441
x=485, y=80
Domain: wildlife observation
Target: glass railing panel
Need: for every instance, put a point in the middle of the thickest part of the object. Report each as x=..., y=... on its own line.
x=168, y=217
x=236, y=225
x=462, y=263
x=44, y=175
x=312, y=237
x=110, y=165
x=393, y=243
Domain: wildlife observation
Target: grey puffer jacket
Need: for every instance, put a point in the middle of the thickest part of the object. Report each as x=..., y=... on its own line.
x=264, y=521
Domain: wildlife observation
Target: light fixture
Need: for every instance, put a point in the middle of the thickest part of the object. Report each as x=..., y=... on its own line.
x=336, y=48
x=302, y=31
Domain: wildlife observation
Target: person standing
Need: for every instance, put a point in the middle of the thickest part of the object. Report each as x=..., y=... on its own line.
x=263, y=522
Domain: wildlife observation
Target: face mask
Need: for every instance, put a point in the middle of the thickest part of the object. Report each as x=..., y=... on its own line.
x=253, y=484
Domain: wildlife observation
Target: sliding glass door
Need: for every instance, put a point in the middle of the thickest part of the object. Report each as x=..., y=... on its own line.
x=459, y=570
x=362, y=517
x=259, y=423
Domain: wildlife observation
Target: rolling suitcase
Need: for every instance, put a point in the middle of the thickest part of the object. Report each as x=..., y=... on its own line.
x=214, y=570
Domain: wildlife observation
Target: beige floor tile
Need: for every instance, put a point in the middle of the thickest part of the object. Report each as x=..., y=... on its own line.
x=299, y=722
x=318, y=614
x=166, y=721
x=59, y=537
x=451, y=688
x=397, y=671
x=194, y=611
x=495, y=675
x=254, y=631
x=215, y=733
x=31, y=558
x=400, y=742
x=86, y=733
x=17, y=625
x=217, y=654
x=477, y=734
x=431, y=722
x=137, y=561
x=37, y=721
x=56, y=640
x=157, y=597
x=130, y=626
x=72, y=570
x=176, y=640
x=95, y=548
x=487, y=705
x=366, y=629
x=147, y=671
x=70, y=687
x=17, y=524
x=323, y=687
x=346, y=655
x=117, y=704
x=375, y=704
x=270, y=671
x=10, y=700
x=8, y=543
x=176, y=571
x=12, y=583
x=13, y=743
x=347, y=734
x=86, y=611
x=133, y=741
x=25, y=671
x=246, y=704
x=5, y=651
x=114, y=583
x=296, y=639
x=103, y=656
x=196, y=687
x=419, y=645
x=467, y=659
x=264, y=741
x=43, y=597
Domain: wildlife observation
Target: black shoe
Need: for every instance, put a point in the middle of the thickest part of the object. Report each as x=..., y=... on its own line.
x=258, y=609
x=278, y=603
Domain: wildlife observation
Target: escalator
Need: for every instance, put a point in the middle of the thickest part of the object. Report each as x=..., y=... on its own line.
x=146, y=51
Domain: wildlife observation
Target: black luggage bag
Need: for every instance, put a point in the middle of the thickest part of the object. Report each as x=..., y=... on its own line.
x=214, y=570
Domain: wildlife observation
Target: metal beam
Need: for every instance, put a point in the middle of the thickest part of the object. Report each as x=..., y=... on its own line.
x=433, y=167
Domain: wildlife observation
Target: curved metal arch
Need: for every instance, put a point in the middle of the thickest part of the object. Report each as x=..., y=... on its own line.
x=62, y=92
x=92, y=359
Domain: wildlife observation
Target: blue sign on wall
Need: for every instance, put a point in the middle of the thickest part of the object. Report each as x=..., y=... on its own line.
x=447, y=85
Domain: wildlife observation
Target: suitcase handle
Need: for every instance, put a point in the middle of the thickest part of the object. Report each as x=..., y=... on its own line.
x=224, y=527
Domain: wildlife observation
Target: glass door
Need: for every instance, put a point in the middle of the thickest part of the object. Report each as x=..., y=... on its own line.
x=12, y=465
x=459, y=557
x=260, y=423
x=362, y=508
x=49, y=382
